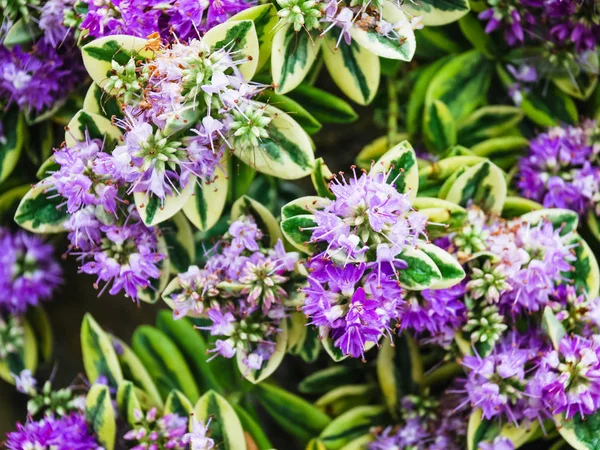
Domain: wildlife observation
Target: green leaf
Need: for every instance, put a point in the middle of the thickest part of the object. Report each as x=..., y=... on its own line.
x=451, y=270
x=134, y=370
x=351, y=425
x=206, y=203
x=237, y=36
x=416, y=100
x=302, y=206
x=178, y=403
x=549, y=106
x=399, y=370
x=401, y=47
x=586, y=274
x=265, y=19
x=482, y=184
x=293, y=414
x=26, y=358
x=421, y=272
x=241, y=176
x=439, y=128
x=127, y=401
x=98, y=352
x=325, y=380
x=400, y=164
x=21, y=32
x=298, y=232
x=287, y=153
x=346, y=397
x=292, y=55
x=98, y=55
x=486, y=123
x=553, y=328
x=263, y=217
x=100, y=415
x=96, y=101
x=10, y=147
x=315, y=444
x=303, y=340
x=500, y=146
x=321, y=176
x=154, y=210
x=191, y=343
x=461, y=84
x=581, y=434
x=359, y=443
x=434, y=43
x=39, y=210
x=164, y=362
x=483, y=430
x=293, y=108
x=438, y=12
x=354, y=69
x=563, y=219
x=96, y=127
x=180, y=243
x=581, y=88
x=517, y=206
x=472, y=29
x=42, y=329
x=325, y=107
x=225, y=426
x=253, y=429
x=436, y=173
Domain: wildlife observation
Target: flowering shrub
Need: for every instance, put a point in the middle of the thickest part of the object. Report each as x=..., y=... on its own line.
x=442, y=293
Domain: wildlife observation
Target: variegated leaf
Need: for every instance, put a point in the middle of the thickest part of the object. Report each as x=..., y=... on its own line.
x=263, y=217
x=275, y=360
x=154, y=210
x=421, y=273
x=93, y=125
x=225, y=427
x=265, y=19
x=179, y=240
x=438, y=12
x=400, y=163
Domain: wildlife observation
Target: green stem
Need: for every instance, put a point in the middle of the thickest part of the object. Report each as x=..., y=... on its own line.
x=392, y=110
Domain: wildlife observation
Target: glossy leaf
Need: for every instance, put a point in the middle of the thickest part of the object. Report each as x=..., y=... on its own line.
x=325, y=107
x=178, y=403
x=154, y=210
x=439, y=128
x=354, y=69
x=487, y=122
x=39, y=210
x=298, y=232
x=450, y=269
x=350, y=425
x=421, y=272
x=225, y=427
x=438, y=12
x=100, y=415
x=292, y=55
x=400, y=164
x=265, y=19
x=99, y=355
x=127, y=401
x=164, y=362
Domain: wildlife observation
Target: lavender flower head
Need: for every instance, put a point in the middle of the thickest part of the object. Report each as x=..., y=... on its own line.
x=242, y=290
x=69, y=432
x=29, y=273
x=185, y=19
x=151, y=431
x=105, y=231
x=353, y=291
x=562, y=169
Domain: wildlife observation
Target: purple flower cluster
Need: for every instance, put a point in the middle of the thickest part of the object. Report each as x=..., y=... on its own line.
x=567, y=23
x=186, y=19
x=353, y=291
x=153, y=432
x=29, y=273
x=37, y=78
x=427, y=424
x=66, y=433
x=242, y=290
x=105, y=231
x=185, y=85
x=562, y=169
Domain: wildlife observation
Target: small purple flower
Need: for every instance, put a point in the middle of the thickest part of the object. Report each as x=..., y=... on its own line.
x=499, y=443
x=569, y=377
x=68, y=432
x=562, y=169
x=153, y=432
x=29, y=273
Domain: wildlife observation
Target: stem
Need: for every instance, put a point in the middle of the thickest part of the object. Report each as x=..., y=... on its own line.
x=392, y=110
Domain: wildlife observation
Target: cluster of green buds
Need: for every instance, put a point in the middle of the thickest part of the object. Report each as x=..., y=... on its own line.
x=423, y=406
x=126, y=81
x=485, y=325
x=470, y=239
x=487, y=282
x=301, y=13
x=12, y=336
x=249, y=127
